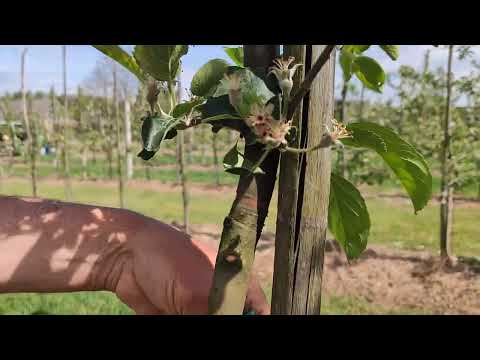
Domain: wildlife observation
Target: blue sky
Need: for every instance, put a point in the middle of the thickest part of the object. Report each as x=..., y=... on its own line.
x=44, y=64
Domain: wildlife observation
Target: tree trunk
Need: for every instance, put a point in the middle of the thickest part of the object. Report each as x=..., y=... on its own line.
x=85, y=163
x=181, y=168
x=146, y=165
x=107, y=144
x=243, y=226
x=128, y=140
x=55, y=127
x=303, y=216
x=202, y=153
x=215, y=159
x=178, y=144
x=65, y=159
x=28, y=128
x=362, y=103
x=446, y=204
x=189, y=146
x=121, y=192
x=183, y=182
x=11, y=128
x=109, y=155
x=34, y=144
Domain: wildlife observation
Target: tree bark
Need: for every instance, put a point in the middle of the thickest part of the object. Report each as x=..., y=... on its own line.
x=303, y=218
x=446, y=203
x=121, y=185
x=65, y=159
x=128, y=140
x=244, y=224
x=28, y=128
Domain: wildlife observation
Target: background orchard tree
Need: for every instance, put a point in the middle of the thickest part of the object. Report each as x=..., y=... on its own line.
x=30, y=131
x=420, y=117
x=65, y=131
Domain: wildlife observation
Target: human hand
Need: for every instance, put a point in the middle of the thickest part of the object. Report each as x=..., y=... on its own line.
x=169, y=273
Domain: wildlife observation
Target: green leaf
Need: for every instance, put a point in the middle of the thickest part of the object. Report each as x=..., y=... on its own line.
x=348, y=218
x=219, y=111
x=162, y=62
x=392, y=50
x=236, y=54
x=116, y=53
x=155, y=129
x=186, y=107
x=406, y=162
x=235, y=162
x=252, y=91
x=358, y=49
x=206, y=79
x=217, y=106
x=220, y=117
x=369, y=72
x=346, y=61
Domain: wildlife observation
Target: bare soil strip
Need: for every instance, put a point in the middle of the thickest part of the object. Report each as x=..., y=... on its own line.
x=391, y=278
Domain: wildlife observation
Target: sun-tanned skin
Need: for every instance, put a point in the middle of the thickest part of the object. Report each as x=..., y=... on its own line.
x=51, y=246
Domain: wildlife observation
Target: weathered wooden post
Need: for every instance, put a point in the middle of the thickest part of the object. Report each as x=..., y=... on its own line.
x=304, y=196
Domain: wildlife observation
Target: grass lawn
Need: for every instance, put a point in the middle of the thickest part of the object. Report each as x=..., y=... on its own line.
x=103, y=303
x=99, y=170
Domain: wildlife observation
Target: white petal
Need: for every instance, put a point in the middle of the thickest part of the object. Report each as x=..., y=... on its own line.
x=293, y=69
